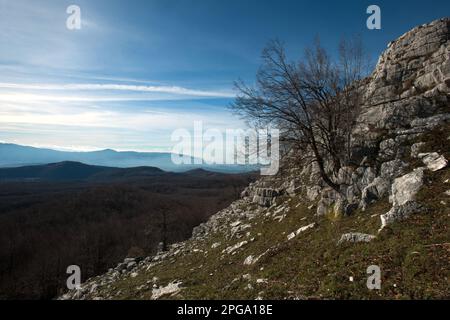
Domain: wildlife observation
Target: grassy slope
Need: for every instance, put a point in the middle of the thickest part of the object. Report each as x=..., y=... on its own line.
x=414, y=257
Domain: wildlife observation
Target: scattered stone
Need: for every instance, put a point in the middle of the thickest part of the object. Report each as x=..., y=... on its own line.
x=215, y=245
x=93, y=288
x=356, y=237
x=232, y=249
x=172, y=288
x=301, y=230
x=235, y=224
x=279, y=218
x=433, y=161
x=291, y=236
x=259, y=281
x=247, y=277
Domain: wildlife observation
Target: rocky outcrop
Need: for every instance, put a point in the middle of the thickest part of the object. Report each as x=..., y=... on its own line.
x=264, y=194
x=404, y=191
x=407, y=95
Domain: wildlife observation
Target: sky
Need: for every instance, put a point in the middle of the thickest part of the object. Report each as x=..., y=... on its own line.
x=137, y=70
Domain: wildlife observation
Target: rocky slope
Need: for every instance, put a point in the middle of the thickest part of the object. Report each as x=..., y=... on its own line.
x=292, y=237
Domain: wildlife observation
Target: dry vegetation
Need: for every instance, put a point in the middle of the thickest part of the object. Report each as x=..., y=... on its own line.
x=45, y=227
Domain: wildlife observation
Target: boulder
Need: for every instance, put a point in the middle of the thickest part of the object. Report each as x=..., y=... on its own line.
x=405, y=189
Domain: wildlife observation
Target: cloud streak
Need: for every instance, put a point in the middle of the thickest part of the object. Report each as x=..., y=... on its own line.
x=174, y=90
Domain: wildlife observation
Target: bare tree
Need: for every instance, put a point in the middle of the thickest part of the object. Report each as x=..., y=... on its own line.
x=314, y=102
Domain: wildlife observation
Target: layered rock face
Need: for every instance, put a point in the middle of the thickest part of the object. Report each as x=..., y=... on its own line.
x=408, y=93
x=406, y=97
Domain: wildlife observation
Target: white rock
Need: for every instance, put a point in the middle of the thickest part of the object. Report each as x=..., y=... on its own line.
x=171, y=288
x=249, y=260
x=231, y=249
x=433, y=161
x=279, y=218
x=301, y=230
x=246, y=277
x=215, y=245
x=291, y=236
x=279, y=210
x=356, y=237
x=235, y=224
x=93, y=288
x=405, y=189
x=261, y=281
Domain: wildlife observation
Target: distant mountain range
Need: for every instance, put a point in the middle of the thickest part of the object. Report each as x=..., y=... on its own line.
x=69, y=171
x=77, y=171
x=13, y=155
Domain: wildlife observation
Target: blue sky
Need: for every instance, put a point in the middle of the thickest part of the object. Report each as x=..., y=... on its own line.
x=138, y=70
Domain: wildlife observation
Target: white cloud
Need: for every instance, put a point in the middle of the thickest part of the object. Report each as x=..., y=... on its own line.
x=175, y=90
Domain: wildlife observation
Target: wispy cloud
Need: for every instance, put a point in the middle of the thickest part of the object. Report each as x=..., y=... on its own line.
x=91, y=88
x=118, y=87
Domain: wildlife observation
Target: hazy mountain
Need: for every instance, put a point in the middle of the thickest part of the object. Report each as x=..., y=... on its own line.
x=68, y=171
x=13, y=155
